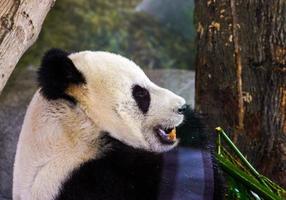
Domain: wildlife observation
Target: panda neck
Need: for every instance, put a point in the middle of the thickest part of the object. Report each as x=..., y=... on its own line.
x=126, y=153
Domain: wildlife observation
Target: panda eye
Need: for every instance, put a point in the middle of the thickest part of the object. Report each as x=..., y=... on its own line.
x=140, y=92
x=142, y=98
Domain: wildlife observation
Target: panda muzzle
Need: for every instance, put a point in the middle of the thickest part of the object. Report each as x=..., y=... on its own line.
x=167, y=135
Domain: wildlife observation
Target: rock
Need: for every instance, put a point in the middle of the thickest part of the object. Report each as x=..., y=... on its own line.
x=18, y=93
x=181, y=82
x=13, y=103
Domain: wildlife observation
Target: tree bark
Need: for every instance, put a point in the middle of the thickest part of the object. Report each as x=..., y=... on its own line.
x=241, y=76
x=20, y=24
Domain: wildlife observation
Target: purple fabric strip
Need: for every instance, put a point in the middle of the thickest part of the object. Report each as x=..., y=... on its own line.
x=168, y=180
x=187, y=175
x=209, y=175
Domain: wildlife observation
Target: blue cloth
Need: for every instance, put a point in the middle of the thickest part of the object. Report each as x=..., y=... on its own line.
x=187, y=175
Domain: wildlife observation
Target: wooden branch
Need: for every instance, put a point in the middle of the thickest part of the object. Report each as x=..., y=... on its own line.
x=20, y=25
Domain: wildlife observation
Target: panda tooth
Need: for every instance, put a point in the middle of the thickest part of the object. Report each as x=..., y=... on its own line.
x=162, y=132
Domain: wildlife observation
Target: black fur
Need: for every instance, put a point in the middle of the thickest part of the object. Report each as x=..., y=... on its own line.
x=56, y=73
x=195, y=133
x=123, y=173
x=126, y=173
x=142, y=98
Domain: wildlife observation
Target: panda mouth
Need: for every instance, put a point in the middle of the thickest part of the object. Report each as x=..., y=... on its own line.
x=166, y=135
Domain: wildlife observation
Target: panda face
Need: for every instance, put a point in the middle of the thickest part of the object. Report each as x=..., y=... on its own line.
x=121, y=100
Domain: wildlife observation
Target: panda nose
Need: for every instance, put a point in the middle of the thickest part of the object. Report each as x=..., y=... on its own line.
x=182, y=109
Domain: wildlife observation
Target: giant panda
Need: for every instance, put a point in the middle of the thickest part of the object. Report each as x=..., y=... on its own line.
x=96, y=129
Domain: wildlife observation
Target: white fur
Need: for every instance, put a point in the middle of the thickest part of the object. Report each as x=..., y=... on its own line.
x=57, y=137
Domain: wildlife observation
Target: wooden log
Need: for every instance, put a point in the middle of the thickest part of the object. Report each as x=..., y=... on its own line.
x=20, y=25
x=241, y=76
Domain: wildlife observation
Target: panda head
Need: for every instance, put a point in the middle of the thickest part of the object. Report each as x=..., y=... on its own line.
x=115, y=95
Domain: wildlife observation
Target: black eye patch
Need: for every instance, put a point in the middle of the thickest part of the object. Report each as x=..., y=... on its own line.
x=142, y=98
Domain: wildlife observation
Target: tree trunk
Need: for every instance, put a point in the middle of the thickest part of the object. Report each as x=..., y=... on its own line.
x=241, y=76
x=20, y=24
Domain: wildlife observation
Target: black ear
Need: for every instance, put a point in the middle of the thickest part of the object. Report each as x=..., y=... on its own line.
x=56, y=73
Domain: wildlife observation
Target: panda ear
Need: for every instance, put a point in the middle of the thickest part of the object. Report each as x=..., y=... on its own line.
x=57, y=73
